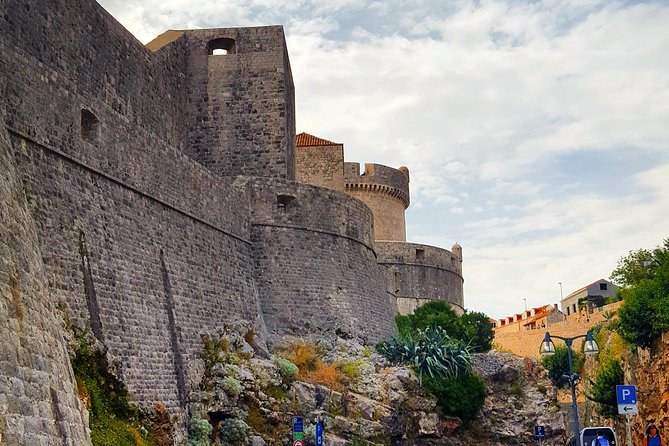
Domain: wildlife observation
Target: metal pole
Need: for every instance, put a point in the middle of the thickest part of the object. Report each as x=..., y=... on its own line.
x=629, y=431
x=577, y=439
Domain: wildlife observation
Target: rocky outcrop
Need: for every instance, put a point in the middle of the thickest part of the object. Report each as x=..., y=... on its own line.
x=383, y=405
x=649, y=371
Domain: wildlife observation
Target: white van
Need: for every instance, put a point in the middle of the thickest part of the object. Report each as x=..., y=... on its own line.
x=589, y=434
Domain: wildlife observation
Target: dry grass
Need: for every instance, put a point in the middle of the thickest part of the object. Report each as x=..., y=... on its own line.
x=311, y=367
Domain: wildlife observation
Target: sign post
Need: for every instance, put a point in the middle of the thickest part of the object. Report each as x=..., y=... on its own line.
x=319, y=433
x=298, y=431
x=540, y=433
x=627, y=405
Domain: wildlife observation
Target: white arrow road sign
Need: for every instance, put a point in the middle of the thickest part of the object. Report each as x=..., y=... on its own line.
x=627, y=409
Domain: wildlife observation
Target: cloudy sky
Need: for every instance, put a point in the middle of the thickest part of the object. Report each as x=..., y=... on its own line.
x=536, y=132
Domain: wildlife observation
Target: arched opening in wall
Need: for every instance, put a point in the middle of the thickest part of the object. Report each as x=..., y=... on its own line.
x=282, y=201
x=90, y=127
x=221, y=47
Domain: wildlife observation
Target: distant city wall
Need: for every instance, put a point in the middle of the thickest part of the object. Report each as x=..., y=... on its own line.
x=315, y=263
x=525, y=342
x=419, y=272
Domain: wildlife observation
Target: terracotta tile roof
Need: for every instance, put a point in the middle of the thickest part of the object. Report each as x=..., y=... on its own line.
x=541, y=313
x=305, y=139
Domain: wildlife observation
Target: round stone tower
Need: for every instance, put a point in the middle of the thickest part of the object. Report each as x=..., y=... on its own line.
x=386, y=192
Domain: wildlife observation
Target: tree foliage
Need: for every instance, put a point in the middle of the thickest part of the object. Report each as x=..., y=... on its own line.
x=478, y=331
x=558, y=364
x=644, y=314
x=603, y=393
x=632, y=269
x=473, y=328
x=462, y=397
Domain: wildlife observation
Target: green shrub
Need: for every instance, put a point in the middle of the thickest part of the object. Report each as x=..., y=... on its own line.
x=558, y=364
x=287, y=370
x=325, y=346
x=232, y=387
x=114, y=420
x=199, y=431
x=608, y=377
x=462, y=397
x=234, y=431
x=352, y=370
x=432, y=352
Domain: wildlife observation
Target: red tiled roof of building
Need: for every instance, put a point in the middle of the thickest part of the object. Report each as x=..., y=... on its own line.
x=305, y=139
x=543, y=312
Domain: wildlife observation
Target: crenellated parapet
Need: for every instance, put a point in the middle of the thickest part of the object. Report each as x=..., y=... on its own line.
x=378, y=178
x=386, y=191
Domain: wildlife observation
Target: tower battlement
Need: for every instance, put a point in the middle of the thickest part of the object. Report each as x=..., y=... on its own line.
x=378, y=178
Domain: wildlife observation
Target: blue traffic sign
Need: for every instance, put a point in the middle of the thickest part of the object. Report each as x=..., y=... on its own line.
x=626, y=394
x=297, y=424
x=319, y=434
x=539, y=432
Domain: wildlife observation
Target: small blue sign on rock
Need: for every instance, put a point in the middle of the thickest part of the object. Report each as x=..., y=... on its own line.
x=319, y=434
x=298, y=425
x=539, y=432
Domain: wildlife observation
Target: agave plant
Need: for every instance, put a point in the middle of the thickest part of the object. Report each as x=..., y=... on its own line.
x=432, y=352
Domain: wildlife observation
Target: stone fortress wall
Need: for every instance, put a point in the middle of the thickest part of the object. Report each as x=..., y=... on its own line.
x=415, y=273
x=421, y=273
x=120, y=207
x=315, y=261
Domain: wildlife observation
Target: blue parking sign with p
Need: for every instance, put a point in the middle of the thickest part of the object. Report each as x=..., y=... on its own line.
x=626, y=394
x=539, y=432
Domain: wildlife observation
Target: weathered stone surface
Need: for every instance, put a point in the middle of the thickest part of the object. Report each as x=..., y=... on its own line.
x=38, y=401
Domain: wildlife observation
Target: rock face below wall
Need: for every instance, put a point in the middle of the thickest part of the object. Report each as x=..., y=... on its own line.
x=383, y=406
x=650, y=372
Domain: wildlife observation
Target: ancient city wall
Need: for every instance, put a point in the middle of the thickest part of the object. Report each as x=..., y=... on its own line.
x=146, y=277
x=316, y=267
x=523, y=342
x=38, y=401
x=70, y=55
x=242, y=102
x=139, y=241
x=386, y=192
x=421, y=272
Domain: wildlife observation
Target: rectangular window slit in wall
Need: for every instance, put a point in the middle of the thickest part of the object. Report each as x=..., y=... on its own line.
x=420, y=254
x=90, y=127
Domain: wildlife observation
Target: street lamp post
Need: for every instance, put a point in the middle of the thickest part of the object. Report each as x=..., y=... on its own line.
x=591, y=347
